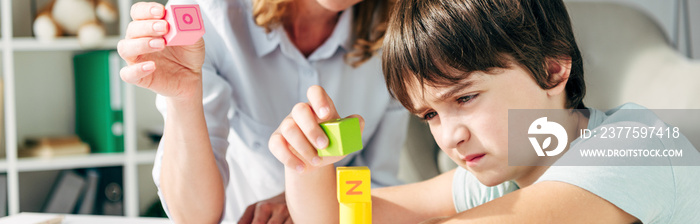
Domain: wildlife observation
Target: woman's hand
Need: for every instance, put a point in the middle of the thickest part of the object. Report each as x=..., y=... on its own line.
x=272, y=211
x=173, y=71
x=299, y=136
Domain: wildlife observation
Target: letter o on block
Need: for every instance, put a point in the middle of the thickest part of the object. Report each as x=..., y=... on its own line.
x=186, y=25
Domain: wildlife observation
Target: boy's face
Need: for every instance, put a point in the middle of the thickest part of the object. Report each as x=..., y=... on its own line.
x=469, y=120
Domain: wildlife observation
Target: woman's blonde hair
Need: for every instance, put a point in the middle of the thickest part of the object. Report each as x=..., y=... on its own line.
x=369, y=24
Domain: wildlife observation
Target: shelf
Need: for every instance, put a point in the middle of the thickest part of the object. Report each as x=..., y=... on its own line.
x=145, y=156
x=18, y=48
x=78, y=161
x=60, y=44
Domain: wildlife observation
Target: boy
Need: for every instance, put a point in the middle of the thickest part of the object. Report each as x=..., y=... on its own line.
x=461, y=65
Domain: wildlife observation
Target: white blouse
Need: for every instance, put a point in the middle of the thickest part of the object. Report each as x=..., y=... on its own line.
x=252, y=79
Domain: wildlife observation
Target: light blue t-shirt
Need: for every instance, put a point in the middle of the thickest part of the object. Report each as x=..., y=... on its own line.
x=665, y=193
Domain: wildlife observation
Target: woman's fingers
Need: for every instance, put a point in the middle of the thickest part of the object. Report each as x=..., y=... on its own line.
x=147, y=10
x=263, y=211
x=280, y=214
x=135, y=73
x=146, y=28
x=247, y=216
x=129, y=49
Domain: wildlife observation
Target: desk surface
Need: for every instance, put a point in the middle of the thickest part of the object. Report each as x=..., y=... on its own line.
x=45, y=218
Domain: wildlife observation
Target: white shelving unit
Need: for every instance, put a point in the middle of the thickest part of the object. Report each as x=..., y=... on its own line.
x=78, y=161
x=60, y=44
x=130, y=160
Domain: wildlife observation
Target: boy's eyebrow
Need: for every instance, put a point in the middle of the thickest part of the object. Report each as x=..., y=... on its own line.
x=454, y=90
x=444, y=96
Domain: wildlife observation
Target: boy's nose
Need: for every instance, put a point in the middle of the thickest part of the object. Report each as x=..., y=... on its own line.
x=455, y=134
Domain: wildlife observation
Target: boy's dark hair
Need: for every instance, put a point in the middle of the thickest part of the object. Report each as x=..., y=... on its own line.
x=428, y=38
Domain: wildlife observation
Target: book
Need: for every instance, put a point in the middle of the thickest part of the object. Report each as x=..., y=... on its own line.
x=3, y=195
x=98, y=100
x=34, y=218
x=65, y=193
x=2, y=121
x=46, y=147
x=87, y=202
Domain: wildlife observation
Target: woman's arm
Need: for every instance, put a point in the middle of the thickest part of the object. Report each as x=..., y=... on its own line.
x=190, y=180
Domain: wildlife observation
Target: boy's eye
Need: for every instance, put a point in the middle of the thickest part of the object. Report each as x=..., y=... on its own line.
x=466, y=99
x=429, y=115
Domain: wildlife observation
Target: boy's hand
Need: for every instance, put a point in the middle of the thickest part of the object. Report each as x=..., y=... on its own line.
x=298, y=137
x=173, y=71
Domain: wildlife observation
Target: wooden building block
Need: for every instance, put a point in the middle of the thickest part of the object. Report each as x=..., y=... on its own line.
x=186, y=24
x=344, y=137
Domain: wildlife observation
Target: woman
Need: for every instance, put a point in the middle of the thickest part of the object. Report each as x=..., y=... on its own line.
x=221, y=102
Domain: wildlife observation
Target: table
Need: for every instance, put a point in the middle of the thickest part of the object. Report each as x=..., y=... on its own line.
x=48, y=218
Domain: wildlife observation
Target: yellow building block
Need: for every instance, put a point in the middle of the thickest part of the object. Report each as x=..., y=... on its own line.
x=355, y=213
x=353, y=184
x=354, y=195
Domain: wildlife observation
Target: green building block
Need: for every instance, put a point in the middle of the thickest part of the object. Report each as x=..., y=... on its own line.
x=344, y=137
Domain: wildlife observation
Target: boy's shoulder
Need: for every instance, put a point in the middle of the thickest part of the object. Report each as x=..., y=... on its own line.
x=629, y=118
x=633, y=135
x=643, y=175
x=630, y=113
x=633, y=124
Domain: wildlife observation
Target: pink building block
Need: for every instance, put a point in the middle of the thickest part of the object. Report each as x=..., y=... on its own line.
x=186, y=25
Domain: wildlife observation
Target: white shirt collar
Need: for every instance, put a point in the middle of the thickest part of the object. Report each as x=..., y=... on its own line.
x=266, y=42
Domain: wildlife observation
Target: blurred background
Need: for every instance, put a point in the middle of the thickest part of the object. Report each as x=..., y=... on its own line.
x=73, y=143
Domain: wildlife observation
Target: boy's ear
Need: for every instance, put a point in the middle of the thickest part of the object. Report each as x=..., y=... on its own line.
x=558, y=70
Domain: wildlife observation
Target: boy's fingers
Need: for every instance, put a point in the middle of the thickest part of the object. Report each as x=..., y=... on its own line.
x=296, y=138
x=321, y=103
x=146, y=28
x=280, y=149
x=306, y=119
x=135, y=73
x=131, y=48
x=147, y=10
